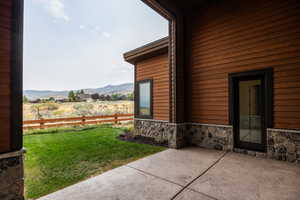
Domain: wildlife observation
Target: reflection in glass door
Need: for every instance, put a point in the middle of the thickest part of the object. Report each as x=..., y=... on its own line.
x=250, y=115
x=251, y=108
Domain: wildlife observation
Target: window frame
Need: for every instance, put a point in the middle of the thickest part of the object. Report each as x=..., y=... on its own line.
x=137, y=99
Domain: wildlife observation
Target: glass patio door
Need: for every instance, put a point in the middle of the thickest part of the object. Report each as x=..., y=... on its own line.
x=250, y=109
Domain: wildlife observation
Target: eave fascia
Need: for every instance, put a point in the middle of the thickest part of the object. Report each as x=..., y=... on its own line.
x=160, y=9
x=147, y=51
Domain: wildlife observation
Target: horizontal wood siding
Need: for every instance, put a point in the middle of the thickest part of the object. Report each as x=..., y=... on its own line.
x=157, y=69
x=235, y=36
x=5, y=51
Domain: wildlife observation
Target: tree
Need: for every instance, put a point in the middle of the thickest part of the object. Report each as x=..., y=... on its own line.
x=25, y=99
x=82, y=92
x=115, y=97
x=108, y=98
x=51, y=99
x=130, y=97
x=102, y=97
x=123, y=97
x=72, y=96
x=95, y=96
x=36, y=110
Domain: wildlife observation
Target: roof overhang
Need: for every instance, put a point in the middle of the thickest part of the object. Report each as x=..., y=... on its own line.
x=169, y=8
x=147, y=51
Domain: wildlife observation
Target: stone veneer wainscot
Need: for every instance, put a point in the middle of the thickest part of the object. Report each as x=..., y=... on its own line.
x=161, y=131
x=284, y=145
x=178, y=135
x=210, y=136
x=11, y=176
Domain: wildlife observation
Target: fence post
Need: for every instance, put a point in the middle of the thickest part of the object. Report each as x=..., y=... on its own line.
x=42, y=123
x=83, y=120
x=116, y=119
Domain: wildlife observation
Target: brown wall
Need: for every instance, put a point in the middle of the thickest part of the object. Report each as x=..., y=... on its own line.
x=157, y=68
x=234, y=36
x=5, y=49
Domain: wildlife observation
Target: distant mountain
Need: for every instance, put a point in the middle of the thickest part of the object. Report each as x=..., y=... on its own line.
x=125, y=88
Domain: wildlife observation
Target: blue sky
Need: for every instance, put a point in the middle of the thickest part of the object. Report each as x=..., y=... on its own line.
x=74, y=44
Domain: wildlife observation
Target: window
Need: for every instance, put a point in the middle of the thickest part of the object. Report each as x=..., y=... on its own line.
x=144, y=99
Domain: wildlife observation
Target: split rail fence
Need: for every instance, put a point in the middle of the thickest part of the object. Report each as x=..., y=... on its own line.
x=76, y=121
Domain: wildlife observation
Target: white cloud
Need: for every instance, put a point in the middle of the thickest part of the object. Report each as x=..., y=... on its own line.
x=56, y=9
x=106, y=34
x=97, y=28
x=82, y=27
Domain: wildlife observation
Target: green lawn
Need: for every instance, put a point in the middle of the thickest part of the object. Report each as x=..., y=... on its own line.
x=56, y=159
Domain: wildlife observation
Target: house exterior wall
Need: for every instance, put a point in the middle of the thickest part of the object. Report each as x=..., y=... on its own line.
x=11, y=153
x=159, y=128
x=235, y=36
x=5, y=61
x=225, y=37
x=157, y=69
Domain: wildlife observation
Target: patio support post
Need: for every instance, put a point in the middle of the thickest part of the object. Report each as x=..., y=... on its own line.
x=176, y=61
x=11, y=161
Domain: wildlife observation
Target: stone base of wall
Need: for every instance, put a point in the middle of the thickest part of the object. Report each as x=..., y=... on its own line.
x=161, y=131
x=251, y=153
x=210, y=136
x=158, y=130
x=179, y=135
x=284, y=145
x=11, y=176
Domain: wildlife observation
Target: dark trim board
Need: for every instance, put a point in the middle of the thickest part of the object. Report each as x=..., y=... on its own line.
x=16, y=106
x=170, y=79
x=135, y=93
x=160, y=8
x=267, y=120
x=136, y=99
x=147, y=51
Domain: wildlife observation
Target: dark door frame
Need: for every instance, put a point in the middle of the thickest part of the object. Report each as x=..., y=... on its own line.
x=16, y=77
x=267, y=112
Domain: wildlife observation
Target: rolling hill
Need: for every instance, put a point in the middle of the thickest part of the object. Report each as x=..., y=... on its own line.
x=125, y=88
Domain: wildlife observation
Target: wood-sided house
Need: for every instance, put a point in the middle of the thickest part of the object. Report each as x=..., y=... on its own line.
x=227, y=77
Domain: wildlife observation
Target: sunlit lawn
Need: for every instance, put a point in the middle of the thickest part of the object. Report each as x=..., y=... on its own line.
x=56, y=159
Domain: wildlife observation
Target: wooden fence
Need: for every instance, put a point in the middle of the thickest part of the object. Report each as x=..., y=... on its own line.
x=76, y=121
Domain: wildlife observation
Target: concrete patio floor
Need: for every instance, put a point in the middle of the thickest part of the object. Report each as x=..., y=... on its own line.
x=191, y=174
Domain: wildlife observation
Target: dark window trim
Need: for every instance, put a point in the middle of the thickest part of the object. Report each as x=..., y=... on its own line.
x=137, y=102
x=267, y=74
x=16, y=107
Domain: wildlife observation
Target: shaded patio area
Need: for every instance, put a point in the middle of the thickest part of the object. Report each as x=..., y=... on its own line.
x=191, y=173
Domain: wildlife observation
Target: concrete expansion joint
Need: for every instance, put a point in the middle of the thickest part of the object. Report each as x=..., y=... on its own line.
x=154, y=175
x=185, y=187
x=210, y=197
x=190, y=183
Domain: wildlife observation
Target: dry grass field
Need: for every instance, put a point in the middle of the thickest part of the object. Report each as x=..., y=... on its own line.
x=75, y=109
